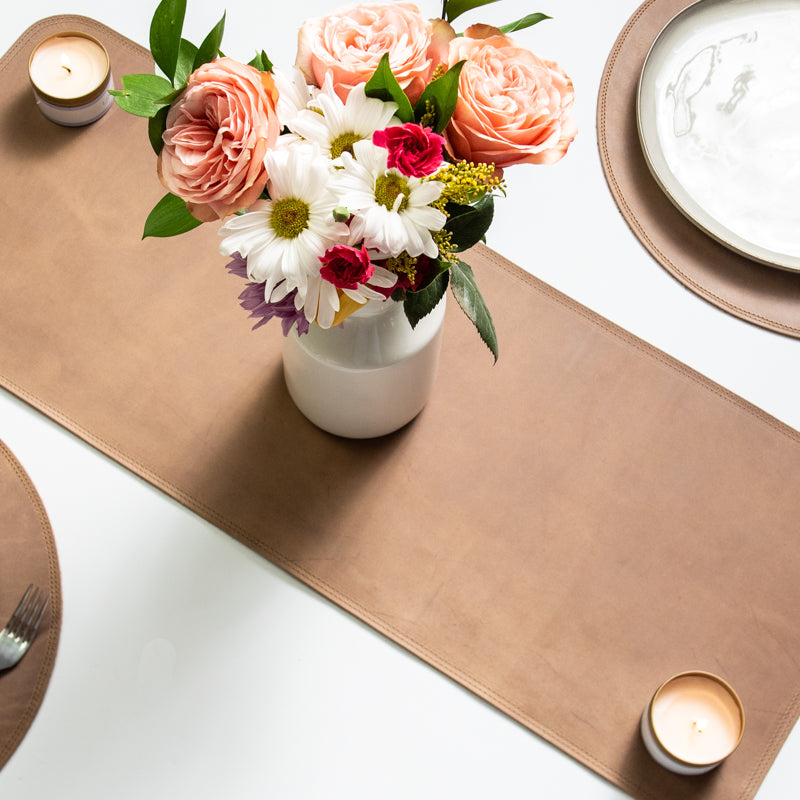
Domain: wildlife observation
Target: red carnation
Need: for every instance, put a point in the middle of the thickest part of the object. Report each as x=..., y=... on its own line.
x=346, y=267
x=421, y=273
x=413, y=150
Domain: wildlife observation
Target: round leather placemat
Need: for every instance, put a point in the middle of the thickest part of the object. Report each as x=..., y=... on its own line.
x=27, y=555
x=764, y=295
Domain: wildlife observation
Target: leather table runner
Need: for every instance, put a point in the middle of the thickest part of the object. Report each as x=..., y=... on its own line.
x=27, y=555
x=558, y=533
x=760, y=294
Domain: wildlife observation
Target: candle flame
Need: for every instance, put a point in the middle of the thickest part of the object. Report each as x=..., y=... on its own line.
x=66, y=64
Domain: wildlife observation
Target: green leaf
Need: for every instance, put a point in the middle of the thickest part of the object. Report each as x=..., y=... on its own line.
x=525, y=22
x=455, y=8
x=169, y=99
x=142, y=94
x=420, y=303
x=468, y=224
x=185, y=65
x=261, y=62
x=209, y=49
x=442, y=94
x=165, y=35
x=384, y=86
x=155, y=127
x=169, y=218
x=466, y=292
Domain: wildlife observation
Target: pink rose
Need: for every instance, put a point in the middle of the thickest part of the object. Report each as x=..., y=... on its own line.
x=413, y=150
x=513, y=107
x=217, y=134
x=349, y=44
x=346, y=267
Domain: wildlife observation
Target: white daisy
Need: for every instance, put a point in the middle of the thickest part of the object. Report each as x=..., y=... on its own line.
x=391, y=211
x=330, y=300
x=380, y=277
x=294, y=94
x=336, y=126
x=282, y=238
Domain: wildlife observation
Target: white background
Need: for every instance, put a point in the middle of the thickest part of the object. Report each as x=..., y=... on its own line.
x=189, y=667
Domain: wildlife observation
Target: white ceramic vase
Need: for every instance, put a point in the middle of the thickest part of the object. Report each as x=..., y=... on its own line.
x=368, y=376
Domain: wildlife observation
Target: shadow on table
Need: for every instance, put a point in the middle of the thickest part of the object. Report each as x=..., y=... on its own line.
x=24, y=130
x=660, y=782
x=282, y=486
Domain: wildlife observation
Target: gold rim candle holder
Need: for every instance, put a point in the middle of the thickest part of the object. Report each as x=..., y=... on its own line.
x=70, y=73
x=693, y=722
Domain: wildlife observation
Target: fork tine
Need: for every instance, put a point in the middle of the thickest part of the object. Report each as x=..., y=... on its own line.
x=24, y=622
x=16, y=616
x=16, y=637
x=45, y=599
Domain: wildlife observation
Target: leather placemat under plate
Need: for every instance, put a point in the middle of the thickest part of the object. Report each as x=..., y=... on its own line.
x=559, y=533
x=761, y=294
x=27, y=555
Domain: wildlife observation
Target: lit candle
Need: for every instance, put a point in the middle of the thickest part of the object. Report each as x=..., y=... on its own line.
x=693, y=723
x=71, y=75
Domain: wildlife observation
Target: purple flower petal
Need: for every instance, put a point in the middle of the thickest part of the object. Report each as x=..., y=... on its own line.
x=252, y=299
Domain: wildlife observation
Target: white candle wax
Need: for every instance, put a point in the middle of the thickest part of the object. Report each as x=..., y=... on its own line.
x=71, y=75
x=694, y=721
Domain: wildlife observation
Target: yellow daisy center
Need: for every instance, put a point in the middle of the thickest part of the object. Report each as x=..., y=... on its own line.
x=344, y=143
x=289, y=217
x=388, y=188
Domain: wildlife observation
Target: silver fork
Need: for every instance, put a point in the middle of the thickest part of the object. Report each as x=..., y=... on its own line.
x=20, y=630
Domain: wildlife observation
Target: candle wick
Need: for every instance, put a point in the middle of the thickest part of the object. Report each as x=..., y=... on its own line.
x=699, y=724
x=64, y=66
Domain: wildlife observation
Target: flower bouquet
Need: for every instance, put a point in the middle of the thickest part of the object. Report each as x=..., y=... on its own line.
x=361, y=174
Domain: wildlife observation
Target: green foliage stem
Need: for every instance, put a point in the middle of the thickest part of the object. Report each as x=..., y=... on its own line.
x=455, y=8
x=468, y=223
x=419, y=304
x=442, y=95
x=468, y=296
x=209, y=49
x=525, y=22
x=384, y=86
x=165, y=35
x=169, y=217
x=142, y=95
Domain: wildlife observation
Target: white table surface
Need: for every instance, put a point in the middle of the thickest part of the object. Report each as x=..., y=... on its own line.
x=190, y=667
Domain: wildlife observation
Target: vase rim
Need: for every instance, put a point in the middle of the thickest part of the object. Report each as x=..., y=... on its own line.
x=374, y=307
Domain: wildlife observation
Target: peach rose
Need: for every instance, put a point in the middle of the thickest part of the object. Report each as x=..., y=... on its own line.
x=513, y=107
x=349, y=43
x=217, y=134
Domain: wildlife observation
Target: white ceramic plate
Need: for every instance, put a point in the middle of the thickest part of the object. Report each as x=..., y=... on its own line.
x=718, y=110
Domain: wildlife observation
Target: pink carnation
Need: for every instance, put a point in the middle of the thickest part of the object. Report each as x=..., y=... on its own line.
x=413, y=150
x=346, y=267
